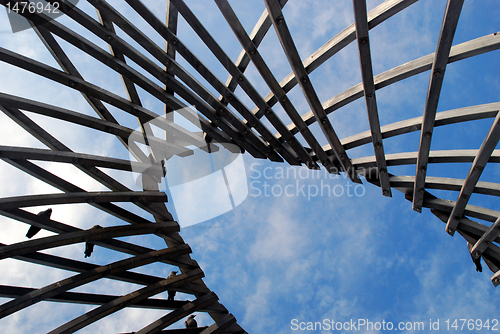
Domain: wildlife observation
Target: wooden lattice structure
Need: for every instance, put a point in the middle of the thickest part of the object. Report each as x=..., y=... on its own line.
x=226, y=119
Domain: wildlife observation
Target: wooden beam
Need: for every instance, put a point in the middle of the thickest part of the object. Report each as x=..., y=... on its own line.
x=305, y=84
x=444, y=183
x=273, y=84
x=91, y=298
x=113, y=244
x=220, y=325
x=379, y=14
x=257, y=35
x=410, y=158
x=484, y=154
x=486, y=240
x=85, y=197
x=365, y=60
x=26, y=247
x=448, y=27
x=458, y=52
x=178, y=314
x=73, y=282
x=448, y=117
x=122, y=302
x=11, y=152
x=189, y=56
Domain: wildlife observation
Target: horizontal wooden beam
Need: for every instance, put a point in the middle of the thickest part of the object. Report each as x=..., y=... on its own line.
x=101, y=233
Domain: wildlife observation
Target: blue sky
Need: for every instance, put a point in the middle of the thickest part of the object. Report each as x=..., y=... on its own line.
x=350, y=255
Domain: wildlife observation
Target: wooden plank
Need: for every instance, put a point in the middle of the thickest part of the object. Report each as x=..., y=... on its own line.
x=178, y=314
x=73, y=282
x=376, y=16
x=221, y=325
x=312, y=99
x=448, y=27
x=120, y=131
x=66, y=64
x=122, y=302
x=85, y=197
x=257, y=35
x=212, y=79
x=91, y=298
x=365, y=60
x=11, y=152
x=470, y=210
x=485, y=241
x=26, y=247
x=483, y=155
x=465, y=114
x=78, y=266
x=410, y=158
x=445, y=183
x=458, y=52
x=58, y=227
x=98, y=92
x=273, y=84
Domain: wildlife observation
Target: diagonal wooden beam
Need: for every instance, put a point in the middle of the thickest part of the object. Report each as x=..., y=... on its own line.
x=122, y=302
x=257, y=35
x=448, y=28
x=244, y=83
x=444, y=183
x=486, y=240
x=222, y=112
x=484, y=154
x=265, y=72
x=171, y=20
x=73, y=282
x=206, y=102
x=178, y=314
x=305, y=84
x=11, y=152
x=65, y=63
x=365, y=59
